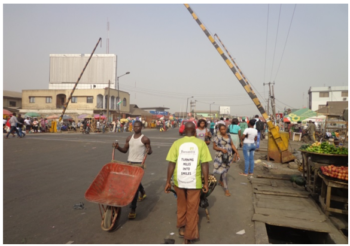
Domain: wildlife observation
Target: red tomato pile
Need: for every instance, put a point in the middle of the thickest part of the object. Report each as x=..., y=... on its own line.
x=335, y=172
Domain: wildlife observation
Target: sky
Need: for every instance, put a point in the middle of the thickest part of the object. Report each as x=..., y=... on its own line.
x=170, y=58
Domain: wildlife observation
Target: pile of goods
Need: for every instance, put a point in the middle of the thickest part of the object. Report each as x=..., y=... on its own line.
x=325, y=148
x=335, y=172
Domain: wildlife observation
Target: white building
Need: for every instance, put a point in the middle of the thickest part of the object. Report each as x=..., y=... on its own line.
x=319, y=96
x=65, y=70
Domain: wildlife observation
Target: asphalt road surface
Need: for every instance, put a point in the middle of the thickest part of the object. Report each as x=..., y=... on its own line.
x=45, y=175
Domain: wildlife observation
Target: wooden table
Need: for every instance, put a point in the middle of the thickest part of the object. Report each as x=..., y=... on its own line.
x=326, y=195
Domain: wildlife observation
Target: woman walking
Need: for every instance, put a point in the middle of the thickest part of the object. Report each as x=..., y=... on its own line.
x=224, y=147
x=235, y=133
x=202, y=131
x=249, y=138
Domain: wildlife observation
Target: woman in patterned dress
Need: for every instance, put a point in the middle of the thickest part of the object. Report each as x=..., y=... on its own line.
x=224, y=146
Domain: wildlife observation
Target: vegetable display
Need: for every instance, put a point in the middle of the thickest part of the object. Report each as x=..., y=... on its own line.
x=326, y=148
x=335, y=172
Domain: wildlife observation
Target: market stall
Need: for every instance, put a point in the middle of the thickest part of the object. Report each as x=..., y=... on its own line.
x=317, y=156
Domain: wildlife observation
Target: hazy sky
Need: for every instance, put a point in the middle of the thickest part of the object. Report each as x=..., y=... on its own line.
x=170, y=58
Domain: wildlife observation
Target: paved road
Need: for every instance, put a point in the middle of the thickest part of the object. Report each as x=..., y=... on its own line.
x=46, y=174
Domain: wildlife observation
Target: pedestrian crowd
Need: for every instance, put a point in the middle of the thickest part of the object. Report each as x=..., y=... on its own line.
x=189, y=157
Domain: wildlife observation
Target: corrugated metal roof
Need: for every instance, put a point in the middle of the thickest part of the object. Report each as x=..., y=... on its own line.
x=13, y=94
x=334, y=108
x=329, y=88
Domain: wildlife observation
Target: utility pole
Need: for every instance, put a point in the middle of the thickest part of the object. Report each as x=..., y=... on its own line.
x=109, y=89
x=273, y=100
x=187, y=106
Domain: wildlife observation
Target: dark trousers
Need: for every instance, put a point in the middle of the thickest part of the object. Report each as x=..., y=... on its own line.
x=134, y=201
x=212, y=131
x=13, y=128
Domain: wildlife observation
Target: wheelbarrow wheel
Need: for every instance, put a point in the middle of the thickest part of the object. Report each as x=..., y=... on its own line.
x=111, y=217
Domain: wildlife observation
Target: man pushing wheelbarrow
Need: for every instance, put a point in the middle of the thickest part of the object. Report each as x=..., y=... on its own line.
x=188, y=159
x=138, y=145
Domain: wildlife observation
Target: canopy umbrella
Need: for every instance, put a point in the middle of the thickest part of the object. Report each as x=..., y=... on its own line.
x=319, y=118
x=97, y=116
x=123, y=120
x=84, y=116
x=32, y=114
x=301, y=115
x=7, y=112
x=51, y=117
x=286, y=119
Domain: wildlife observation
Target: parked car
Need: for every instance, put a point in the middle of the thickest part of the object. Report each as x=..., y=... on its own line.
x=182, y=126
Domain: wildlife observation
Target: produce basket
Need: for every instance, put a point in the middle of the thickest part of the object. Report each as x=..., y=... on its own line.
x=335, y=172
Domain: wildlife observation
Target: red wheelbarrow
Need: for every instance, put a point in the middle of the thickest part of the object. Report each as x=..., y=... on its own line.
x=113, y=188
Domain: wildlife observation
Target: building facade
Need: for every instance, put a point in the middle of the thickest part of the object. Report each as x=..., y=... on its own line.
x=65, y=70
x=12, y=100
x=319, y=96
x=87, y=101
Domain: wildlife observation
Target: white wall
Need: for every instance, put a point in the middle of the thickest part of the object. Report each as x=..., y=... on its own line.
x=317, y=100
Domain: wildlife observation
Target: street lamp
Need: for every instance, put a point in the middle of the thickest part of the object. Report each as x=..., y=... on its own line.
x=118, y=90
x=210, y=107
x=187, y=106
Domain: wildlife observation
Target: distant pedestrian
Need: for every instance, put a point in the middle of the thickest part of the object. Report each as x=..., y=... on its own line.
x=35, y=125
x=249, y=137
x=212, y=126
x=28, y=124
x=20, y=125
x=43, y=125
x=235, y=132
x=202, y=131
x=13, y=122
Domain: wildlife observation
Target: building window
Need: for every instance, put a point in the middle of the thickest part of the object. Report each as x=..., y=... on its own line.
x=48, y=99
x=124, y=102
x=74, y=99
x=31, y=99
x=324, y=94
x=344, y=93
x=12, y=103
x=89, y=99
x=321, y=106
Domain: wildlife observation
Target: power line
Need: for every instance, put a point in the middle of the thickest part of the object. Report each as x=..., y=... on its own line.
x=285, y=44
x=267, y=31
x=283, y=103
x=274, y=52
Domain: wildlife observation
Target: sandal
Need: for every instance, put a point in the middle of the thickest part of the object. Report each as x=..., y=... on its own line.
x=132, y=216
x=142, y=197
x=221, y=183
x=243, y=174
x=227, y=193
x=251, y=174
x=181, y=231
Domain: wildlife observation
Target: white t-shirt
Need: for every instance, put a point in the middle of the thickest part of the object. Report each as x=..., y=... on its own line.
x=252, y=133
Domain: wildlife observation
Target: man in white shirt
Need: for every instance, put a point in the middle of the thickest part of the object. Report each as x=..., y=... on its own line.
x=13, y=121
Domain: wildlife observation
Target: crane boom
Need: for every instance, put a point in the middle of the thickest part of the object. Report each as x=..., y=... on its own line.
x=286, y=155
x=76, y=83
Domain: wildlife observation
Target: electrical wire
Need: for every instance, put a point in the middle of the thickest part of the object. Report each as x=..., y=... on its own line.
x=285, y=44
x=274, y=52
x=283, y=103
x=267, y=31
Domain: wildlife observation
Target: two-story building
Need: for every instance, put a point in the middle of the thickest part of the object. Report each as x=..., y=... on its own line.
x=12, y=100
x=319, y=96
x=85, y=101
